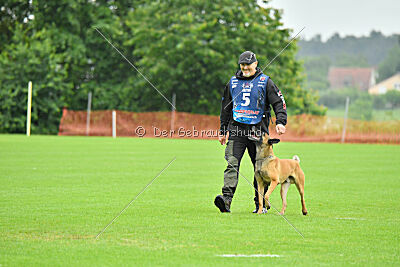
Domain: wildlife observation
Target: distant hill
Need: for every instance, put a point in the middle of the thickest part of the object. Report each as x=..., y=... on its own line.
x=373, y=48
x=376, y=50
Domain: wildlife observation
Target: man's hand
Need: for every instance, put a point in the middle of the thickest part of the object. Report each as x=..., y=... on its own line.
x=222, y=138
x=280, y=129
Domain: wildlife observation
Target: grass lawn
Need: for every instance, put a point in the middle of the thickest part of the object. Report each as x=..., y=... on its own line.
x=57, y=193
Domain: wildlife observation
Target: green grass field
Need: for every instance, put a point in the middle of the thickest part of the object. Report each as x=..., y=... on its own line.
x=57, y=193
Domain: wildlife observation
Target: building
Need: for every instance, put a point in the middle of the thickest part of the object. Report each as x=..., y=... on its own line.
x=391, y=83
x=360, y=78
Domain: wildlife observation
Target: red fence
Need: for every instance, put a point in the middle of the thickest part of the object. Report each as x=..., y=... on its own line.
x=186, y=125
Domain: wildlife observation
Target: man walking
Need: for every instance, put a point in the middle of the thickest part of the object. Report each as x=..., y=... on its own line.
x=245, y=113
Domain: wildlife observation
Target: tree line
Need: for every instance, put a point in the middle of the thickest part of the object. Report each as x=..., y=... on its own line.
x=186, y=47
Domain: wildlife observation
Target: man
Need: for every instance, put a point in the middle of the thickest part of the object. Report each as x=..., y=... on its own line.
x=245, y=115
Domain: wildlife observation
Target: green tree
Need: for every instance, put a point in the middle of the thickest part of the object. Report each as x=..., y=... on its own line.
x=186, y=47
x=191, y=48
x=26, y=59
x=12, y=12
x=391, y=64
x=373, y=48
x=90, y=65
x=59, y=50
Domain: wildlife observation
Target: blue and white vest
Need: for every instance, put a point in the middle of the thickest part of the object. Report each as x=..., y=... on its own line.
x=248, y=99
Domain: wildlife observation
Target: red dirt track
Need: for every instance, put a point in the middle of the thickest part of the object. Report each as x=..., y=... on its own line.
x=301, y=128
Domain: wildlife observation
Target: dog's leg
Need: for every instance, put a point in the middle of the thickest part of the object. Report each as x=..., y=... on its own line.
x=284, y=189
x=274, y=183
x=260, y=189
x=300, y=186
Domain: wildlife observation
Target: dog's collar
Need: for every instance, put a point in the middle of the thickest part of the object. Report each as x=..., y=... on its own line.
x=270, y=157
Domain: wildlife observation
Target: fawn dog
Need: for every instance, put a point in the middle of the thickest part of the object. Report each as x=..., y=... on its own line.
x=270, y=169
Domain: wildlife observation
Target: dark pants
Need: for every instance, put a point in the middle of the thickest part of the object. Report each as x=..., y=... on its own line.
x=234, y=151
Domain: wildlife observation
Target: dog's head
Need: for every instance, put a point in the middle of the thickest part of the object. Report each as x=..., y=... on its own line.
x=265, y=149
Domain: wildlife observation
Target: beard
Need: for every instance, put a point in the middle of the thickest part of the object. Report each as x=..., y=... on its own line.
x=247, y=73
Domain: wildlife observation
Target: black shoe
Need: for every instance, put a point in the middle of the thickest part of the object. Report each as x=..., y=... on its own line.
x=223, y=203
x=255, y=211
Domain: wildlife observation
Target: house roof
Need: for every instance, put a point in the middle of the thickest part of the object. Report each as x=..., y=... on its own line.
x=351, y=77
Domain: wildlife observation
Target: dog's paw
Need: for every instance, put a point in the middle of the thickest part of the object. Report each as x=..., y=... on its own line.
x=263, y=211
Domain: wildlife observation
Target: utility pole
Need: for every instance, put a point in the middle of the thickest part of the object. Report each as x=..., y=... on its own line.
x=89, y=107
x=173, y=111
x=28, y=110
x=345, y=119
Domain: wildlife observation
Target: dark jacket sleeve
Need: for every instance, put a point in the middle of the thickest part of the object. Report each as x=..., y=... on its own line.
x=226, y=110
x=277, y=101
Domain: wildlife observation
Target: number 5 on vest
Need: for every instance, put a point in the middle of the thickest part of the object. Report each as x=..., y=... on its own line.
x=246, y=99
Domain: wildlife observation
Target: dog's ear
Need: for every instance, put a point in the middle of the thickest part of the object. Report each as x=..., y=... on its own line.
x=273, y=141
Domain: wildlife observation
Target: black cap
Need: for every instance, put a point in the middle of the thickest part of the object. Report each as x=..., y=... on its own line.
x=247, y=57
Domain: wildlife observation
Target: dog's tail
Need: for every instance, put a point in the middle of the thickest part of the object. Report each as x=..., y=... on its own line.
x=296, y=158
